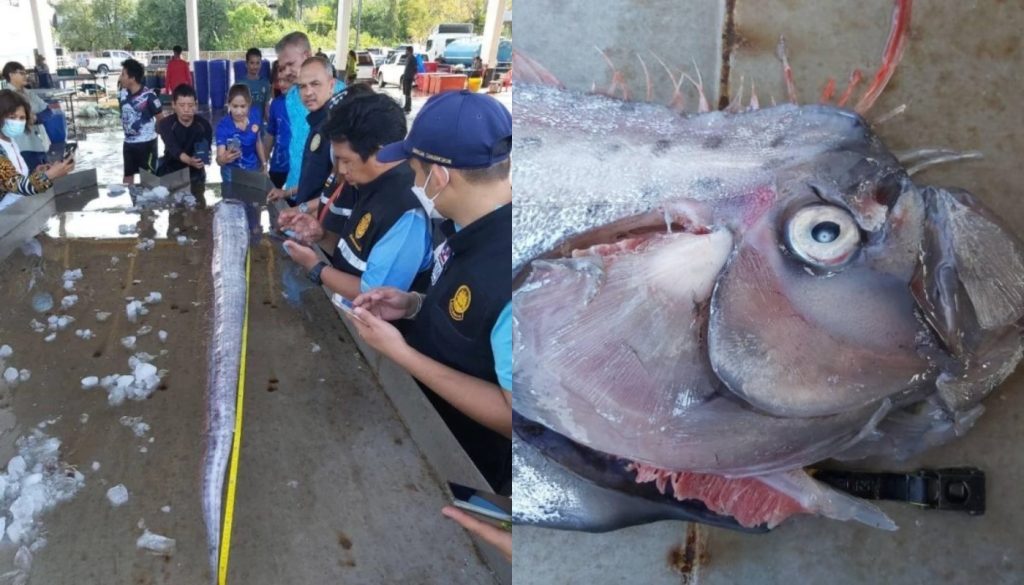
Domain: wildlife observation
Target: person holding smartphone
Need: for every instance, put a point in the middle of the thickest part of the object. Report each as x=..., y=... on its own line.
x=238, y=135
x=187, y=137
x=459, y=344
x=17, y=180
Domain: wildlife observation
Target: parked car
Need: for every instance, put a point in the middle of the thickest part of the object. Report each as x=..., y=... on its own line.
x=393, y=69
x=107, y=61
x=158, y=61
x=379, y=54
x=365, y=68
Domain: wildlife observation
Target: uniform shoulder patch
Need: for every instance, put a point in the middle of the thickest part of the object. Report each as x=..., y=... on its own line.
x=363, y=225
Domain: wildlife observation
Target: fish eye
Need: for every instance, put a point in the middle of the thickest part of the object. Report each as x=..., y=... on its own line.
x=823, y=236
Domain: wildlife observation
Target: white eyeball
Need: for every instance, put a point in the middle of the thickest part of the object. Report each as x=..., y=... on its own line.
x=824, y=236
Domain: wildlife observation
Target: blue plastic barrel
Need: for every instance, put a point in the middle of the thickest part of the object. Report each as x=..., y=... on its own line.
x=218, y=83
x=56, y=126
x=202, y=79
x=240, y=72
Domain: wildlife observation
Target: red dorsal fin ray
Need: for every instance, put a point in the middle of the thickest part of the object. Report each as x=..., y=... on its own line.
x=526, y=70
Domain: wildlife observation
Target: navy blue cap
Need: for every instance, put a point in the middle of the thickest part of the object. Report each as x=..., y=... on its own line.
x=458, y=129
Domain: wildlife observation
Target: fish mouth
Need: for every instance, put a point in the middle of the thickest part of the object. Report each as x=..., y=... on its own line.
x=628, y=234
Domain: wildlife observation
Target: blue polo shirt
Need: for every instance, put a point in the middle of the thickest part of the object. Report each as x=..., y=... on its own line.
x=297, y=113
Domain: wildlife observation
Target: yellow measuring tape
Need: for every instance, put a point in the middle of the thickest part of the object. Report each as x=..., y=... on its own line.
x=229, y=506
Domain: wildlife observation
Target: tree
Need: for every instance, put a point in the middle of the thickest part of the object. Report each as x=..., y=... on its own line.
x=96, y=25
x=160, y=24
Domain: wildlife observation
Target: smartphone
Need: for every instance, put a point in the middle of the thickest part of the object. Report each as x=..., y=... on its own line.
x=202, y=149
x=70, y=149
x=233, y=143
x=282, y=236
x=345, y=305
x=342, y=303
x=481, y=503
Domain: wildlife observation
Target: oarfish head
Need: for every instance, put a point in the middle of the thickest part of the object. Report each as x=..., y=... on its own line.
x=761, y=317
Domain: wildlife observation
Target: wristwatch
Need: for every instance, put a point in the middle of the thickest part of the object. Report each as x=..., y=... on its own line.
x=314, y=273
x=304, y=207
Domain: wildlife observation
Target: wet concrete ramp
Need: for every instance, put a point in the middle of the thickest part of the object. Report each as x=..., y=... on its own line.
x=331, y=488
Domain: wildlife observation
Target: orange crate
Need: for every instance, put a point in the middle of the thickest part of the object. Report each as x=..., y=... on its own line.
x=451, y=83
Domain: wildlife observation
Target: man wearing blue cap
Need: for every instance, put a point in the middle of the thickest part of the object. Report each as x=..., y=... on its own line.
x=459, y=344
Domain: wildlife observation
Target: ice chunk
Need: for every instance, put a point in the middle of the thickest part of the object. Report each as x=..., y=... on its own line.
x=6, y=351
x=69, y=285
x=166, y=509
x=153, y=298
x=84, y=333
x=24, y=375
x=145, y=245
x=117, y=495
x=72, y=275
x=128, y=342
x=143, y=449
x=136, y=424
x=135, y=308
x=182, y=240
x=90, y=382
x=102, y=316
x=155, y=542
x=126, y=229
x=36, y=326
x=144, y=330
x=315, y=348
x=95, y=465
x=162, y=335
x=172, y=276
x=68, y=301
x=42, y=302
x=64, y=320
x=11, y=375
x=84, y=418
x=50, y=337
x=16, y=467
x=114, y=189
x=114, y=260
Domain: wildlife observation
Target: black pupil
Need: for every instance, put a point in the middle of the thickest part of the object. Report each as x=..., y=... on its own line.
x=825, y=232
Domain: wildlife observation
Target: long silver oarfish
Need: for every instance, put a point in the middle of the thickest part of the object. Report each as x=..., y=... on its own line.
x=230, y=245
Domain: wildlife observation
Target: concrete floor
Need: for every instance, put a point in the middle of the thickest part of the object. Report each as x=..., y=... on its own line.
x=958, y=74
x=331, y=487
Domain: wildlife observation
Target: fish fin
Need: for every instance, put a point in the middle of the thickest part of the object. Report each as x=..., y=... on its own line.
x=828, y=90
x=894, y=46
x=526, y=70
x=928, y=157
x=787, y=71
x=678, y=102
x=647, y=77
x=889, y=115
x=617, y=80
x=855, y=78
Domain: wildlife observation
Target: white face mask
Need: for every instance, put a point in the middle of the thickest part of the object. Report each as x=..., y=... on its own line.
x=425, y=201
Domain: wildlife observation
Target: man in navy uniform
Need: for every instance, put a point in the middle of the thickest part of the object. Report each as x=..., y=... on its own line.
x=387, y=240
x=459, y=344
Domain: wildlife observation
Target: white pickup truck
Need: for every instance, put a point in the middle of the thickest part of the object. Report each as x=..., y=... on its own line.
x=107, y=61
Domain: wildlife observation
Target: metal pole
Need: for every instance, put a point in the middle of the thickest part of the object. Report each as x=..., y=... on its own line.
x=341, y=34
x=192, y=28
x=359, y=22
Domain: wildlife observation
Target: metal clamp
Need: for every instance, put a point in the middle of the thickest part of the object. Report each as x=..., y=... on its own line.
x=960, y=489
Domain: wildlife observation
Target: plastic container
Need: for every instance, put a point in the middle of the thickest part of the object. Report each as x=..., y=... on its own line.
x=239, y=70
x=473, y=84
x=218, y=83
x=201, y=71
